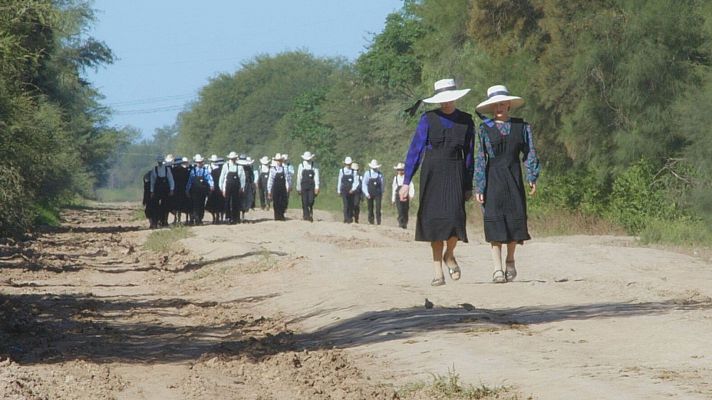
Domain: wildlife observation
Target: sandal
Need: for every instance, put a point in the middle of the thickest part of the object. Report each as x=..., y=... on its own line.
x=511, y=271
x=498, y=276
x=454, y=269
x=437, y=282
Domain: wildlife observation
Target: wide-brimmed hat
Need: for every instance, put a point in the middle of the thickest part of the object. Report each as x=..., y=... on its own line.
x=178, y=160
x=446, y=90
x=214, y=158
x=264, y=160
x=285, y=157
x=399, y=166
x=169, y=158
x=159, y=157
x=242, y=160
x=232, y=155
x=355, y=166
x=249, y=161
x=374, y=164
x=198, y=158
x=308, y=156
x=348, y=160
x=278, y=157
x=498, y=94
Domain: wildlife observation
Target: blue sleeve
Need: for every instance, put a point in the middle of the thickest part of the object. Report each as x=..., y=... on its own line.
x=415, y=152
x=209, y=178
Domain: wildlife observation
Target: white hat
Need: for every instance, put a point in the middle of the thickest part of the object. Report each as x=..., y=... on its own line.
x=308, y=156
x=278, y=157
x=169, y=158
x=249, y=161
x=264, y=160
x=348, y=160
x=374, y=164
x=232, y=155
x=398, y=166
x=242, y=160
x=497, y=94
x=445, y=91
x=354, y=166
x=214, y=158
x=198, y=158
x=285, y=157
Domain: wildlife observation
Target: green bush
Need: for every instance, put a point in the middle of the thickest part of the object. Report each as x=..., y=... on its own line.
x=641, y=195
x=682, y=232
x=16, y=213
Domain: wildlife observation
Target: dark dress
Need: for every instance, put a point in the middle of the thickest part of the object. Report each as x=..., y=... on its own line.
x=216, y=201
x=444, y=178
x=505, y=208
x=248, y=196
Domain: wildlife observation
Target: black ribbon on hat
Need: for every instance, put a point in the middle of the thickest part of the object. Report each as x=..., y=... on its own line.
x=414, y=108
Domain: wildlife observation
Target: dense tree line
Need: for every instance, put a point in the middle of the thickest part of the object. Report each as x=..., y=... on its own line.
x=54, y=140
x=616, y=90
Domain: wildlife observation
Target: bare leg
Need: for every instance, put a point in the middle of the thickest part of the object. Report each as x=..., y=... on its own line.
x=511, y=270
x=511, y=247
x=437, y=247
x=449, y=258
x=498, y=274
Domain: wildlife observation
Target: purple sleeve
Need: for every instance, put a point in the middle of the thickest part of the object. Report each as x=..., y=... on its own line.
x=531, y=160
x=415, y=152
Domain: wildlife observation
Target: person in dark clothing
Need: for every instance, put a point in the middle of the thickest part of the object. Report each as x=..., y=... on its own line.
x=148, y=210
x=308, y=185
x=356, y=193
x=216, y=202
x=247, y=198
x=180, y=202
x=402, y=206
x=162, y=188
x=278, y=187
x=262, y=178
x=346, y=187
x=444, y=144
x=503, y=142
x=372, y=187
x=232, y=183
x=200, y=183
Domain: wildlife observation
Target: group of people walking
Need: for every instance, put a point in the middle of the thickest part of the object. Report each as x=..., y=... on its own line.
x=226, y=189
x=443, y=147
x=353, y=187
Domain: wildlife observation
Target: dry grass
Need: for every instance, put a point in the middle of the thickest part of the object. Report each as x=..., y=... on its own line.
x=448, y=387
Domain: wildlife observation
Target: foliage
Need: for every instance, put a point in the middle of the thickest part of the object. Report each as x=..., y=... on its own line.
x=52, y=131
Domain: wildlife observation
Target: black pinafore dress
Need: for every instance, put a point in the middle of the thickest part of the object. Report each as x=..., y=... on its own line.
x=505, y=208
x=441, y=213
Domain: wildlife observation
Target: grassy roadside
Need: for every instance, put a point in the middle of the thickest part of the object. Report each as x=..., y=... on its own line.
x=448, y=387
x=164, y=240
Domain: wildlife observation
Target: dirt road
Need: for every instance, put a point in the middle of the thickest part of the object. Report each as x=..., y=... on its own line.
x=293, y=310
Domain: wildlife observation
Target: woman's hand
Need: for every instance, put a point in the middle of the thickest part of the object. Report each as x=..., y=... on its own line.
x=403, y=192
x=480, y=198
x=532, y=185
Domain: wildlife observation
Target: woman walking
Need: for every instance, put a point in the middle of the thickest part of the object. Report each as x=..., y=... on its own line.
x=278, y=187
x=443, y=144
x=498, y=177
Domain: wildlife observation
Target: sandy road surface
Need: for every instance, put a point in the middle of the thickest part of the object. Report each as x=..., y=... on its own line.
x=328, y=310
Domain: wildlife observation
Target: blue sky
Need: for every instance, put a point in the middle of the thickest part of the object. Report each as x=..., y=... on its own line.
x=168, y=49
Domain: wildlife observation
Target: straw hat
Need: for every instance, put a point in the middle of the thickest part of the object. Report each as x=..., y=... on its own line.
x=242, y=160
x=264, y=160
x=214, y=158
x=198, y=158
x=354, y=166
x=169, y=158
x=498, y=94
x=232, y=155
x=249, y=161
x=374, y=164
x=278, y=157
x=399, y=166
x=348, y=160
x=285, y=157
x=308, y=156
x=446, y=91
